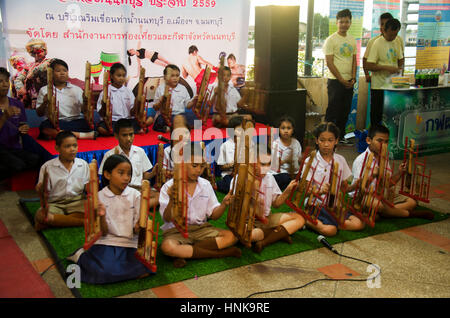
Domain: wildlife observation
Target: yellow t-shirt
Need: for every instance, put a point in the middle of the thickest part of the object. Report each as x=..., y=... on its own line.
x=387, y=53
x=370, y=43
x=343, y=49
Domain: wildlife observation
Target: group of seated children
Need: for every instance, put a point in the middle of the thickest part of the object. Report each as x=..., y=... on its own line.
x=72, y=103
x=125, y=166
x=16, y=147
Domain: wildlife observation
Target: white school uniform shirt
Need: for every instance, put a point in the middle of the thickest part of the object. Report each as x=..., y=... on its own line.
x=232, y=97
x=167, y=161
x=69, y=100
x=122, y=213
x=324, y=168
x=200, y=206
x=226, y=155
x=62, y=183
x=122, y=101
x=279, y=149
x=139, y=163
x=179, y=100
x=270, y=189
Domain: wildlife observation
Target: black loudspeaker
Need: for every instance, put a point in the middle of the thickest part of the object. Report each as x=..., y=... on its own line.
x=276, y=104
x=276, y=47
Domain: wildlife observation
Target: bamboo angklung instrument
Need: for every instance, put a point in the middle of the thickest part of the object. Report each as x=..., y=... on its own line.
x=206, y=107
x=333, y=184
x=360, y=192
x=92, y=230
x=161, y=173
x=43, y=194
x=52, y=109
x=363, y=204
x=179, y=198
x=89, y=116
x=202, y=93
x=243, y=209
x=409, y=169
x=384, y=160
x=385, y=187
x=340, y=207
x=141, y=115
x=305, y=199
x=301, y=188
x=220, y=101
x=147, y=236
x=208, y=173
x=166, y=109
x=107, y=101
x=415, y=182
x=291, y=169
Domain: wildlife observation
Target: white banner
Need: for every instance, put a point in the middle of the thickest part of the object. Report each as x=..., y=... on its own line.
x=80, y=30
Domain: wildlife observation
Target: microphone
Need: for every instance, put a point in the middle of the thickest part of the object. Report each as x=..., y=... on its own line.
x=324, y=241
x=160, y=137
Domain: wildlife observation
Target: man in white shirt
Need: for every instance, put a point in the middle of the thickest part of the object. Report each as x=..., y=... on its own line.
x=385, y=59
x=340, y=54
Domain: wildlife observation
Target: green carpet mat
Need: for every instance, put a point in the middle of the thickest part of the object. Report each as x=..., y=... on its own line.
x=64, y=241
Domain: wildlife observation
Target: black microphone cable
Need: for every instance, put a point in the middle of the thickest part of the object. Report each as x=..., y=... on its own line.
x=321, y=239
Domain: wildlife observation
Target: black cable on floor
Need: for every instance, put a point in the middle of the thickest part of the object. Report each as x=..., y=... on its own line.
x=48, y=268
x=320, y=279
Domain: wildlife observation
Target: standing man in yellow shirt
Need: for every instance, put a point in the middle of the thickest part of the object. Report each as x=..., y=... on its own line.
x=340, y=54
x=385, y=17
x=385, y=58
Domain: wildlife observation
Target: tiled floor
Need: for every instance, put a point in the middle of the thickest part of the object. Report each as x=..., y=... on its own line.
x=414, y=262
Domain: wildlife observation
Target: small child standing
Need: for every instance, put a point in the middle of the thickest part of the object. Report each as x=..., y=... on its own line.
x=67, y=177
x=122, y=100
x=204, y=240
x=70, y=102
x=111, y=259
x=287, y=153
x=327, y=138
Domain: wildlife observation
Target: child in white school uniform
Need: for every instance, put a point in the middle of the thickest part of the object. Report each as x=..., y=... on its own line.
x=122, y=100
x=287, y=152
x=70, y=102
x=179, y=121
x=225, y=161
x=280, y=225
x=233, y=100
x=404, y=206
x=327, y=137
x=204, y=240
x=180, y=100
x=112, y=257
x=141, y=165
x=67, y=177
